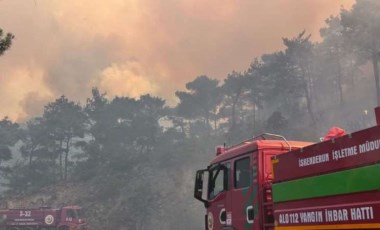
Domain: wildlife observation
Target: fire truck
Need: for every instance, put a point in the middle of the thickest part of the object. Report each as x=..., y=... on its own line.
x=44, y=218
x=268, y=183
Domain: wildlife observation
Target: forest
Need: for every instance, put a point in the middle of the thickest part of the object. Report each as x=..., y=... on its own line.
x=130, y=162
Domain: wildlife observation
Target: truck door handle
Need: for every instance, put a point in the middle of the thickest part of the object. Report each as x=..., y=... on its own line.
x=250, y=214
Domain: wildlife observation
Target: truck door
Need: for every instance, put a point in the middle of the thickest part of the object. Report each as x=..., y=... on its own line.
x=244, y=192
x=218, y=196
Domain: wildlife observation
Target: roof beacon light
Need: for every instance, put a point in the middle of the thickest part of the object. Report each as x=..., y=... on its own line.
x=219, y=150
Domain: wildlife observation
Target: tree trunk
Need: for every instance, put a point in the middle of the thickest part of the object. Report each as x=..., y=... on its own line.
x=340, y=88
x=30, y=159
x=233, y=115
x=207, y=118
x=215, y=126
x=376, y=74
x=182, y=126
x=352, y=68
x=307, y=95
x=60, y=160
x=66, y=158
x=339, y=80
x=233, y=118
x=254, y=118
x=308, y=104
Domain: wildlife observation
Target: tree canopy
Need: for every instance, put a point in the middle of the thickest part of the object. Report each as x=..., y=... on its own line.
x=5, y=41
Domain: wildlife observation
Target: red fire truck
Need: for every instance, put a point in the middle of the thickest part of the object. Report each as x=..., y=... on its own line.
x=269, y=183
x=44, y=218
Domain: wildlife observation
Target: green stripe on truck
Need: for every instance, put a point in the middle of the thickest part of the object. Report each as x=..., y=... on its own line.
x=343, y=182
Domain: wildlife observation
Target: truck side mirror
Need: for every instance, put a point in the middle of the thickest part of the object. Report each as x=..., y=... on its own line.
x=201, y=185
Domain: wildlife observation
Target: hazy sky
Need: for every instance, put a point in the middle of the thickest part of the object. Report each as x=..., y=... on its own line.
x=134, y=47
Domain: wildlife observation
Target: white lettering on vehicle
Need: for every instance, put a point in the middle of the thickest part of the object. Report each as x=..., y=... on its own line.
x=362, y=213
x=334, y=215
x=327, y=216
x=313, y=160
x=345, y=152
x=311, y=217
x=25, y=213
x=338, y=154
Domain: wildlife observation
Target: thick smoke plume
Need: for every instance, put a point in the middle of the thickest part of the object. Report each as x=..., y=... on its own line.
x=133, y=47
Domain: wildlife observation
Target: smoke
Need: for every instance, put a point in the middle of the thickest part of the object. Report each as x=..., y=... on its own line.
x=112, y=79
x=133, y=47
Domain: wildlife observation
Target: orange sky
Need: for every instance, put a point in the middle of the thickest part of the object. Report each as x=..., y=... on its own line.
x=134, y=47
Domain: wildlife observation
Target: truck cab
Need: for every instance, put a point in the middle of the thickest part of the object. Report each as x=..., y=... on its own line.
x=236, y=186
x=72, y=216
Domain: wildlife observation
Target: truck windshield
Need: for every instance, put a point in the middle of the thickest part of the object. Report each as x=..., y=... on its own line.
x=80, y=214
x=219, y=182
x=75, y=213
